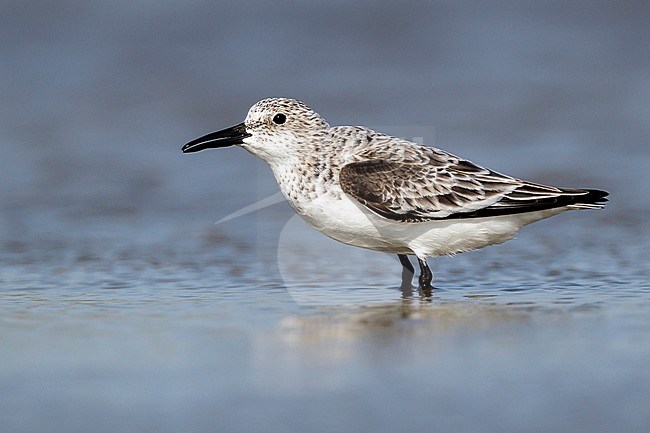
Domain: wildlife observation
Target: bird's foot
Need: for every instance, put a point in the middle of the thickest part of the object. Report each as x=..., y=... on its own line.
x=426, y=290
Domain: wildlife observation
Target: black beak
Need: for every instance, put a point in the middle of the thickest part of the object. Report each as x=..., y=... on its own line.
x=224, y=138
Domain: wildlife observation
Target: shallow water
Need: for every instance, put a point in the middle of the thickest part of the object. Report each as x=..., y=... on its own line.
x=123, y=307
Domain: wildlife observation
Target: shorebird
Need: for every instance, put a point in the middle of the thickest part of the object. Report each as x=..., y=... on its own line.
x=371, y=190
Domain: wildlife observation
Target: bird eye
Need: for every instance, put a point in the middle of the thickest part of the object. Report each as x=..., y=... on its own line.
x=279, y=119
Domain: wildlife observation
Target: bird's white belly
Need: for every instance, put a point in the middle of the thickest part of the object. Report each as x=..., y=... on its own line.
x=347, y=221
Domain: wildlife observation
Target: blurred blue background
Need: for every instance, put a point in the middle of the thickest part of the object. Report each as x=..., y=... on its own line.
x=124, y=308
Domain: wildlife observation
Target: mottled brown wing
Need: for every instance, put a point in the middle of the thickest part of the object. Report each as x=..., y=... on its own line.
x=415, y=192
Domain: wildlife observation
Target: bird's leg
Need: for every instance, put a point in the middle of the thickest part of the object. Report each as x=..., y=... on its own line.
x=407, y=276
x=406, y=263
x=425, y=277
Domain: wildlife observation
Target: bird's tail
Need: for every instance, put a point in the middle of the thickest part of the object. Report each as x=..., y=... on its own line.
x=587, y=199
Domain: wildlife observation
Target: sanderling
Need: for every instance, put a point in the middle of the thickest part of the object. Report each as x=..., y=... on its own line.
x=371, y=190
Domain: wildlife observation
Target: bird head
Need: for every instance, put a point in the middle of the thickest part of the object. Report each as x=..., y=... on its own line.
x=274, y=129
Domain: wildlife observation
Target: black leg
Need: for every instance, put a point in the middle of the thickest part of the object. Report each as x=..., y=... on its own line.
x=404, y=260
x=407, y=276
x=425, y=277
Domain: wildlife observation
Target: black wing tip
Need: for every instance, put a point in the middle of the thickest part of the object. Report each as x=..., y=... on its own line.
x=576, y=198
x=593, y=196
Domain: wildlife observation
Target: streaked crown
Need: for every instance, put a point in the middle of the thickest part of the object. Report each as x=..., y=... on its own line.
x=279, y=114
